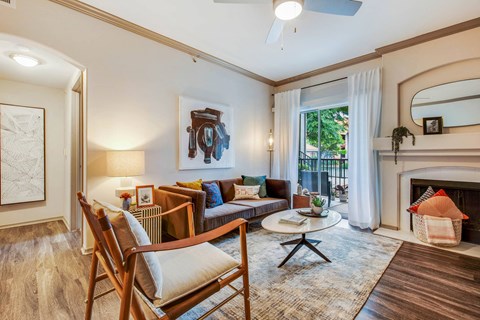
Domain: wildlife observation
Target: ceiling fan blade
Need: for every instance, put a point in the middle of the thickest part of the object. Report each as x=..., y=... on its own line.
x=339, y=7
x=275, y=31
x=243, y=1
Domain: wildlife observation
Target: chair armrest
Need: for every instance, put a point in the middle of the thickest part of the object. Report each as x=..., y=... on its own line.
x=281, y=189
x=184, y=243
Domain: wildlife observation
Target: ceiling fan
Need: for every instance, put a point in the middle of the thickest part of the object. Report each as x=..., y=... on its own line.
x=290, y=9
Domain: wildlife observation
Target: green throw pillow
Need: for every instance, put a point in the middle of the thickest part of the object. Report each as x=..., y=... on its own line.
x=255, y=181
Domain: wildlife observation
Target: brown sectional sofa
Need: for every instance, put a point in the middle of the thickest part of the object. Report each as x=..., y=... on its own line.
x=279, y=197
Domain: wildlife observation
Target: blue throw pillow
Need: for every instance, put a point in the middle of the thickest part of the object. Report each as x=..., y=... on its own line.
x=257, y=181
x=214, y=197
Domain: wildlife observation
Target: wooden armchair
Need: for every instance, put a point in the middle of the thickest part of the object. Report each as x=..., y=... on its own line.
x=178, y=294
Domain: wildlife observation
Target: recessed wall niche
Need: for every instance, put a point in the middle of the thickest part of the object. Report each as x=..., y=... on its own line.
x=459, y=70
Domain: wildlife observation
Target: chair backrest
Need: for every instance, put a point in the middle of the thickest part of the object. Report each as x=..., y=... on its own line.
x=92, y=221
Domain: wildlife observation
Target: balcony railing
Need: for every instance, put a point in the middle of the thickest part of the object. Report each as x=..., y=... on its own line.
x=337, y=170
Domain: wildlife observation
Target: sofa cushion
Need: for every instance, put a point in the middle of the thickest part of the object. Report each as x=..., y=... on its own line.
x=221, y=215
x=195, y=185
x=187, y=270
x=130, y=233
x=254, y=181
x=214, y=197
x=264, y=205
x=227, y=189
x=246, y=192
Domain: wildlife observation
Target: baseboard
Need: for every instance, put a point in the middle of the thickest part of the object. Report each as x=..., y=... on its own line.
x=66, y=224
x=8, y=226
x=386, y=226
x=86, y=251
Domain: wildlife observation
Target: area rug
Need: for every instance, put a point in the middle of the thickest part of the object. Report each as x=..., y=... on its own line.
x=306, y=287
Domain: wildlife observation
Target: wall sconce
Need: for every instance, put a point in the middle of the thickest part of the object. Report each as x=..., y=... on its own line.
x=270, y=141
x=125, y=164
x=270, y=150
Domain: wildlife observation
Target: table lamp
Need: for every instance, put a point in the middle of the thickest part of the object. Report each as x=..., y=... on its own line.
x=125, y=164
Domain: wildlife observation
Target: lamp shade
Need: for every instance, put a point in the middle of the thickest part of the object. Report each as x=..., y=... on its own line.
x=125, y=163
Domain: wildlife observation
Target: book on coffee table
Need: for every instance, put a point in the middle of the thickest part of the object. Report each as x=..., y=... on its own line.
x=293, y=219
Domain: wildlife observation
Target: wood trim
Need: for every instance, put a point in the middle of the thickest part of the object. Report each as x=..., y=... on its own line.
x=134, y=28
x=456, y=28
x=316, y=72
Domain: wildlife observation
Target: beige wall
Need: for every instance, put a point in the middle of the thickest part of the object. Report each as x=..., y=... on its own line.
x=429, y=58
x=132, y=95
x=442, y=60
x=405, y=72
x=53, y=100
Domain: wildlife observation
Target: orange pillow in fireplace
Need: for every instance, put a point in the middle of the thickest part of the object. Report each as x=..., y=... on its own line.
x=439, y=205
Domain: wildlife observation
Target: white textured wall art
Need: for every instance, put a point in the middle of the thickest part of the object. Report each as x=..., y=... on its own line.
x=22, y=154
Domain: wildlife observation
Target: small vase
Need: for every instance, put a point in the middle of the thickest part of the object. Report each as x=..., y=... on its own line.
x=126, y=204
x=317, y=210
x=343, y=197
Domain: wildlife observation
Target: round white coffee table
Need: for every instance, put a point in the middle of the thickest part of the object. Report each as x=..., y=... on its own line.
x=271, y=223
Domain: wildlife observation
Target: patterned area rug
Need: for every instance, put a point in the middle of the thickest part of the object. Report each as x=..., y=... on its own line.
x=306, y=287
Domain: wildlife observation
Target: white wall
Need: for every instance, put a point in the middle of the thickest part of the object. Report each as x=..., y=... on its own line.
x=53, y=100
x=132, y=95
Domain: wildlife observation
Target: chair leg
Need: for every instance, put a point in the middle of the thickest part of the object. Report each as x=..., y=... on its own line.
x=246, y=294
x=91, y=284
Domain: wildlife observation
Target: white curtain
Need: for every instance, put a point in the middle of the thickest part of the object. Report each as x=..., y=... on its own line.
x=365, y=96
x=285, y=136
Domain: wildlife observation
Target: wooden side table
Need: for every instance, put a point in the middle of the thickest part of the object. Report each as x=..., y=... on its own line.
x=301, y=201
x=153, y=227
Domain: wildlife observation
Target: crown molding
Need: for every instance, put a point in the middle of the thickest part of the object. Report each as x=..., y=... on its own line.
x=197, y=54
x=332, y=67
x=440, y=33
x=141, y=31
x=379, y=52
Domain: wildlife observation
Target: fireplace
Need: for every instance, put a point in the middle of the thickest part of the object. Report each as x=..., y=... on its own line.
x=465, y=195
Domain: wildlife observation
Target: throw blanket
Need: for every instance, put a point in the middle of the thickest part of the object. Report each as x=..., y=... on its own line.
x=439, y=230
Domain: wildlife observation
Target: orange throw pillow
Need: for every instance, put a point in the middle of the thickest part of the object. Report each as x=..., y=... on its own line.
x=439, y=193
x=195, y=185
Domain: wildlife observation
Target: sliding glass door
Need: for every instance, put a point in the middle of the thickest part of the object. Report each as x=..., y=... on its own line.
x=322, y=161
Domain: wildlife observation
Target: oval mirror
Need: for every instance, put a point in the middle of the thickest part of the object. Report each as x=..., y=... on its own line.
x=457, y=102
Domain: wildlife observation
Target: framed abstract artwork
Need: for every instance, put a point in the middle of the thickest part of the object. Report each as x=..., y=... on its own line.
x=205, y=135
x=22, y=154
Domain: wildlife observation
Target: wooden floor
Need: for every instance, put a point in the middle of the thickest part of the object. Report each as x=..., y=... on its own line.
x=44, y=276
x=426, y=283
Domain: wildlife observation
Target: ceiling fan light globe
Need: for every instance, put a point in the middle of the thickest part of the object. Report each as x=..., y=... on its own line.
x=287, y=9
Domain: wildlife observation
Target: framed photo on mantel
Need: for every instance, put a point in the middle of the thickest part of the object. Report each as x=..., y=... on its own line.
x=433, y=125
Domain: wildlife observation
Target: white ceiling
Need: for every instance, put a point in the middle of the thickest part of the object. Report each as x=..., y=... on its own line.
x=53, y=71
x=236, y=32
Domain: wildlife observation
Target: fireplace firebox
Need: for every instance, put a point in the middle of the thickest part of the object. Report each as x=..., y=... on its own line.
x=465, y=195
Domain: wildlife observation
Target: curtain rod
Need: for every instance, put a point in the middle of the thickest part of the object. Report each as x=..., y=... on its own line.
x=327, y=82
x=319, y=84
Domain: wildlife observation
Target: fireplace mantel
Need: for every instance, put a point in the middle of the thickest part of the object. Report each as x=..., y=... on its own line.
x=454, y=157
x=460, y=144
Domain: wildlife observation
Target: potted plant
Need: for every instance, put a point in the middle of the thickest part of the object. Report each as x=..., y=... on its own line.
x=342, y=192
x=397, y=138
x=317, y=204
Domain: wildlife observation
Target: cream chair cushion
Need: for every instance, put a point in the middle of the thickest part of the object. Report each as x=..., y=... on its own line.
x=188, y=269
x=130, y=233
